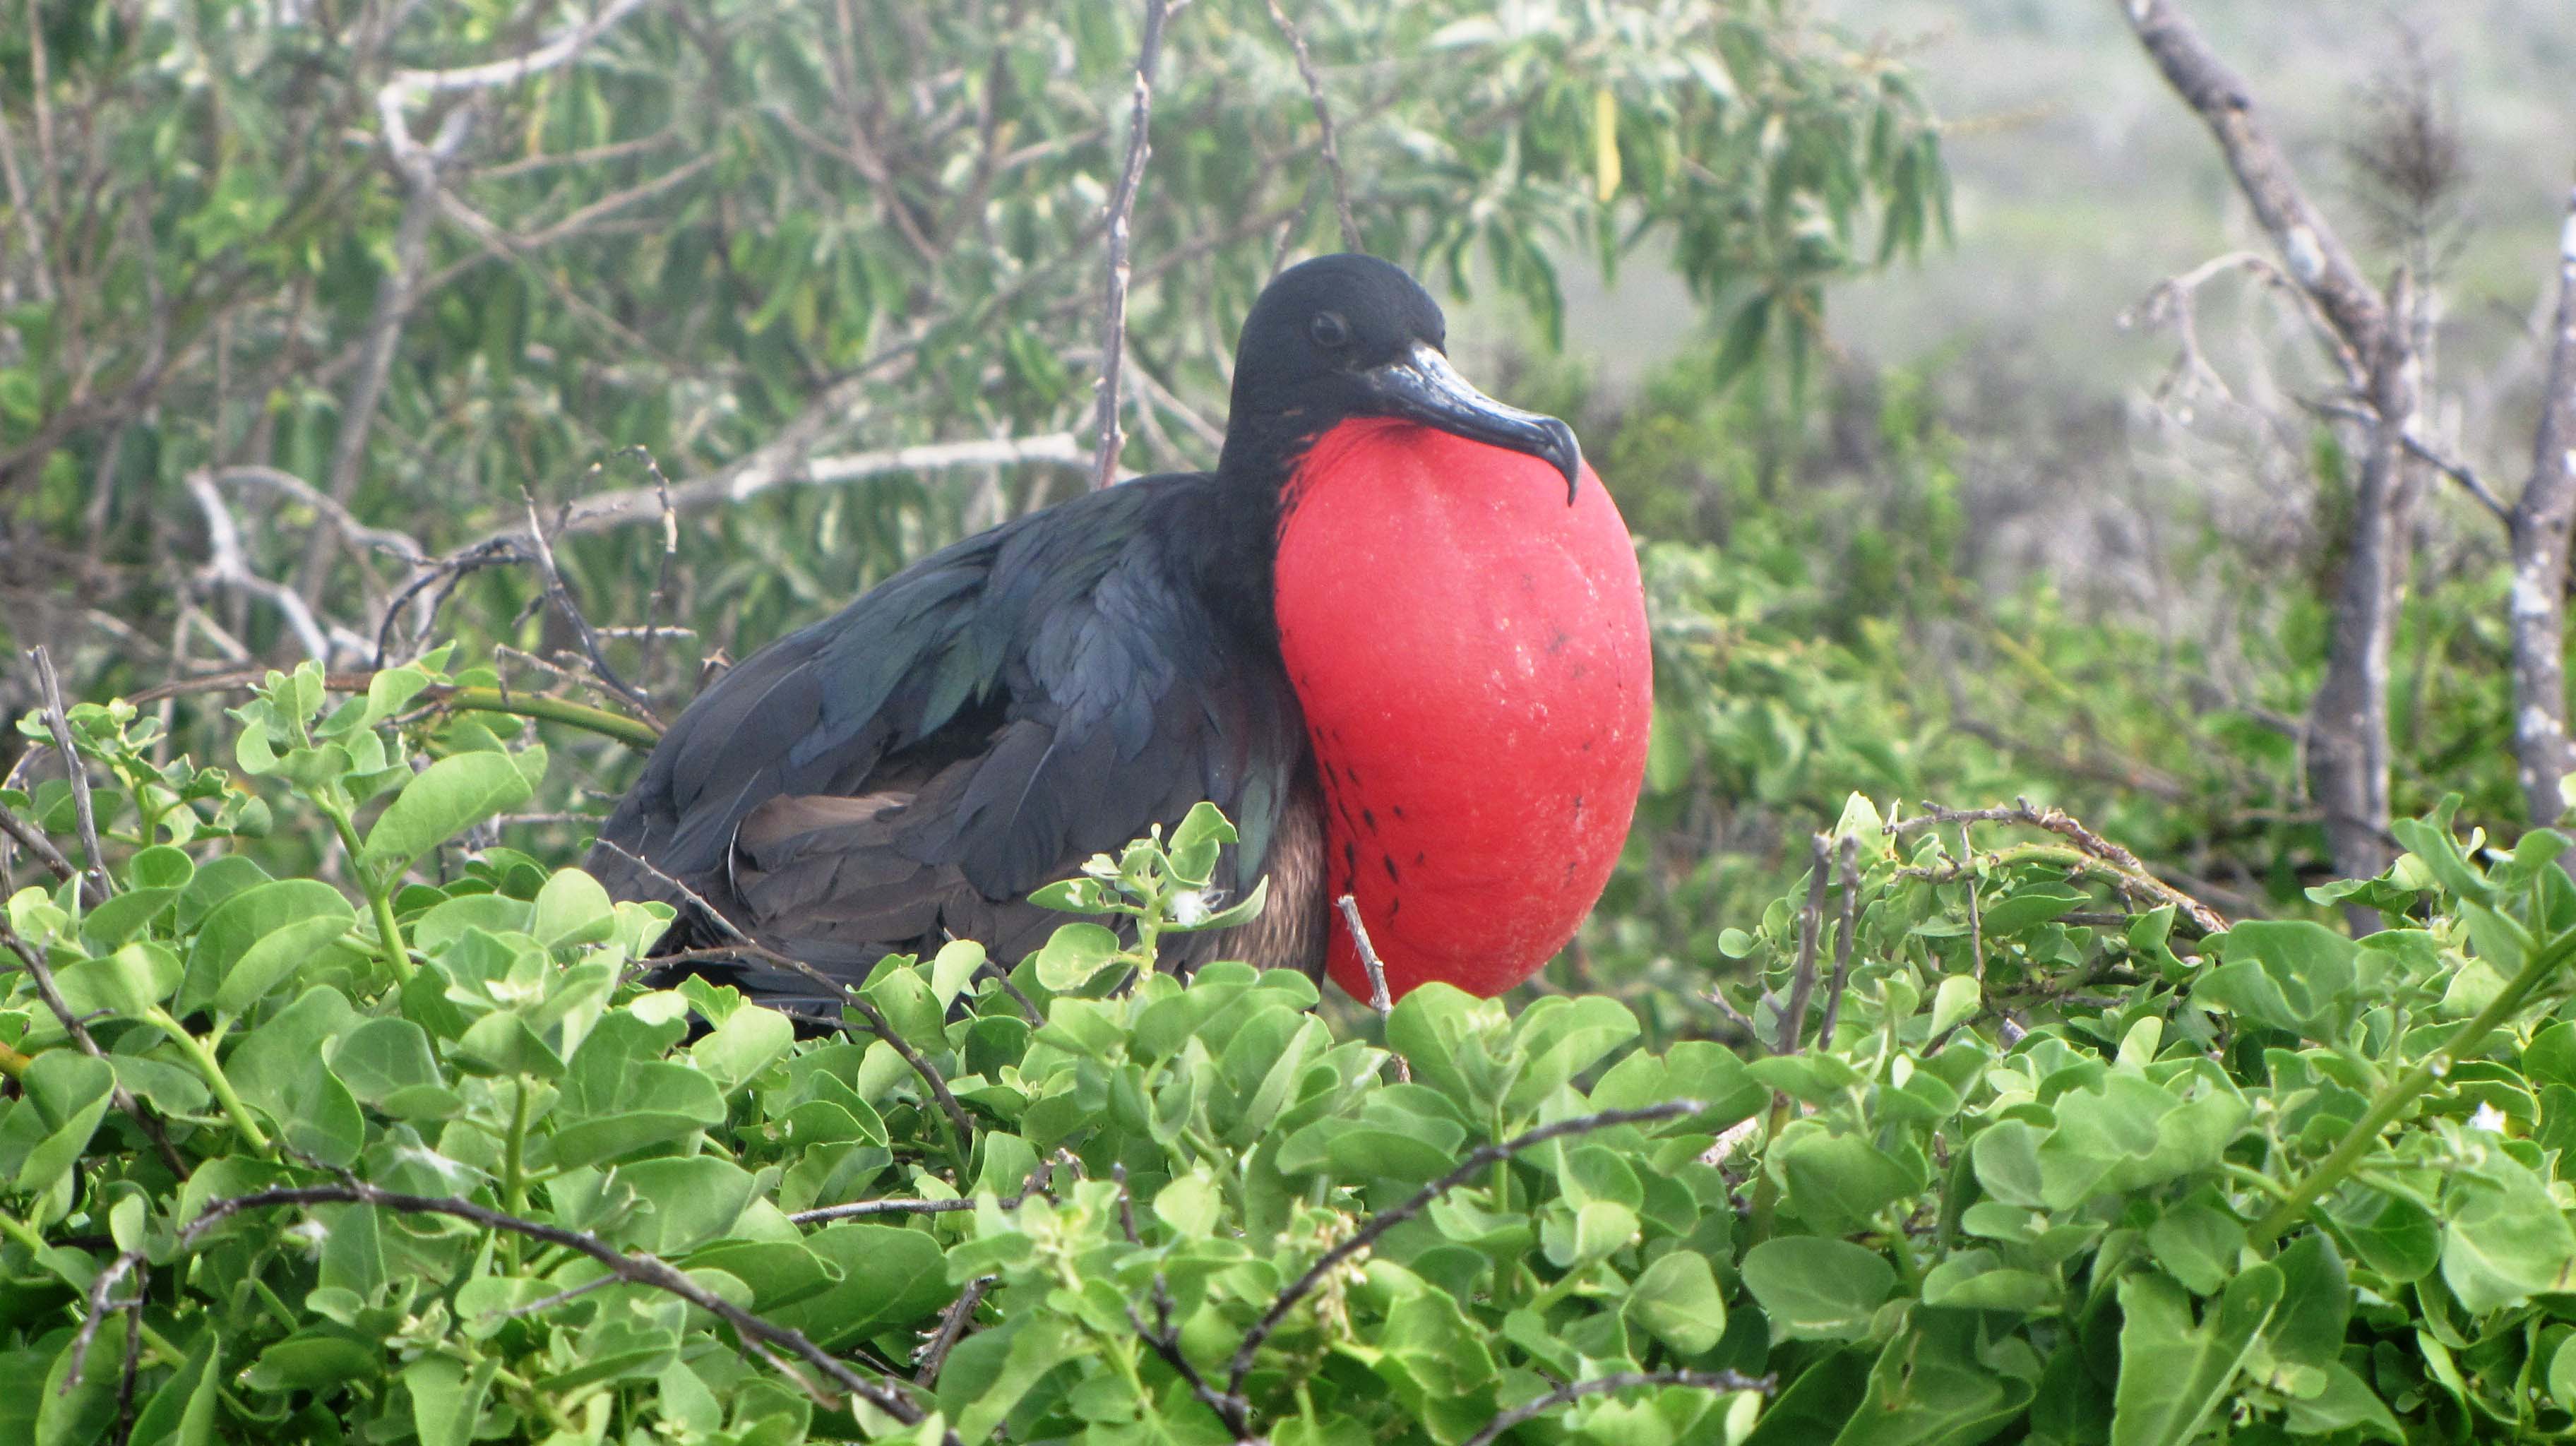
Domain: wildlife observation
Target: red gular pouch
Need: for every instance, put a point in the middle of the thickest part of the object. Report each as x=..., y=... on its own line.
x=1471, y=654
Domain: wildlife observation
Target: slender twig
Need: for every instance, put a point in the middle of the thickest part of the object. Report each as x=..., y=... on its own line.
x=1375, y=967
x=1802, y=977
x=756, y=1336
x=860, y=1209
x=1473, y=1166
x=561, y=597
x=33, y=840
x=660, y=600
x=1122, y=210
x=75, y=771
x=878, y=1024
x=2133, y=874
x=1976, y=913
x=1002, y=977
x=1617, y=1381
x=1849, y=855
x=34, y=960
x=100, y=1308
x=952, y=1328
x=1164, y=1339
x=1330, y=147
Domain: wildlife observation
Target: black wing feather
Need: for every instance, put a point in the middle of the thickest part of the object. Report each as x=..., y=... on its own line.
x=973, y=728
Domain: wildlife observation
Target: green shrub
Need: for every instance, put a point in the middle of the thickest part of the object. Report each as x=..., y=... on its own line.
x=2044, y=1153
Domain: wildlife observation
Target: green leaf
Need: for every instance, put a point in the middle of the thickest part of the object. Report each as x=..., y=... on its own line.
x=1814, y=1288
x=1677, y=1299
x=256, y=939
x=2503, y=1239
x=2175, y=1370
x=1933, y=1386
x=442, y=801
x=182, y=1411
x=63, y=1096
x=1073, y=954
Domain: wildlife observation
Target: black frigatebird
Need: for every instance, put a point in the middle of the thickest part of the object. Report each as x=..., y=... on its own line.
x=1397, y=635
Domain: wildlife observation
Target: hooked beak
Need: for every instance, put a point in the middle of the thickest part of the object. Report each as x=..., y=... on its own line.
x=1421, y=386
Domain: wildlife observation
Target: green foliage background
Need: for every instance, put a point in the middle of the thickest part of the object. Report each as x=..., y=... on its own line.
x=2026, y=1178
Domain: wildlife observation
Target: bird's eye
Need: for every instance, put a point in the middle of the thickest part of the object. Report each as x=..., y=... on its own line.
x=1329, y=330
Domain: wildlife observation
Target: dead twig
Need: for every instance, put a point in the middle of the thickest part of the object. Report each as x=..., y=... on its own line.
x=75, y=772
x=33, y=840
x=1848, y=853
x=1330, y=147
x=2131, y=875
x=561, y=597
x=755, y=1336
x=1802, y=978
x=1122, y=209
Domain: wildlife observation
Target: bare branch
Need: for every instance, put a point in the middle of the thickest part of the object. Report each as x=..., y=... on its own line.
x=226, y=566
x=75, y=771
x=2315, y=255
x=1330, y=147
x=1385, y=1220
x=2541, y=521
x=2125, y=868
x=757, y=1336
x=1122, y=209
x=775, y=465
x=1848, y=855
x=1374, y=966
x=561, y=597
x=33, y=840
x=1802, y=978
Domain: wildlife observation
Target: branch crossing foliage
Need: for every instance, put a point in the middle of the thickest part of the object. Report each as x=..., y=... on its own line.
x=450, y=1168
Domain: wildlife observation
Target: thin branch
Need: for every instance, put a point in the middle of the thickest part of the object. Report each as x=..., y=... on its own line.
x=227, y=566
x=2133, y=874
x=1385, y=1220
x=561, y=597
x=2316, y=257
x=1122, y=210
x=1849, y=855
x=1330, y=147
x=952, y=1328
x=75, y=772
x=33, y=840
x=1802, y=978
x=1529, y=1411
x=862, y=1209
x=1375, y=968
x=775, y=464
x=756, y=1336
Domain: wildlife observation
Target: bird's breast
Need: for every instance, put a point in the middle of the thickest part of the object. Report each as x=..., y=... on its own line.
x=1472, y=658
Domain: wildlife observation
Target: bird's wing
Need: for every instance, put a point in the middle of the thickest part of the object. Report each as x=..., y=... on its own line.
x=970, y=730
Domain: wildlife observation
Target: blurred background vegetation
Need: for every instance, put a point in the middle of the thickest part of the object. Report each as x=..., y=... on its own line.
x=308, y=307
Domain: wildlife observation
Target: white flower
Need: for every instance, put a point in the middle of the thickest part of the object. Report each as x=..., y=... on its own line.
x=1190, y=908
x=2487, y=1118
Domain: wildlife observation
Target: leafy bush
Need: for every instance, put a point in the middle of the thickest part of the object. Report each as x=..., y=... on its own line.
x=2043, y=1152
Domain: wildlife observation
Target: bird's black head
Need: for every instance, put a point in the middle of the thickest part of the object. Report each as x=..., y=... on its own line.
x=1352, y=336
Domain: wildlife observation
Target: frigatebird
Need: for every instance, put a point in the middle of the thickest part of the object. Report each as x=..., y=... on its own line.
x=1397, y=636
